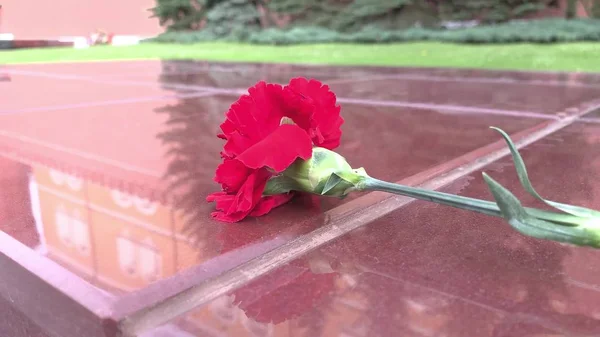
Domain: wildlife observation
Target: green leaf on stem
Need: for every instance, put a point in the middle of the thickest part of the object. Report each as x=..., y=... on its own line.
x=280, y=185
x=331, y=182
x=526, y=183
x=520, y=220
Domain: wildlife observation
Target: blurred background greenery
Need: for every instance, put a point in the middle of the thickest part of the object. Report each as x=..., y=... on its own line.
x=560, y=35
x=378, y=21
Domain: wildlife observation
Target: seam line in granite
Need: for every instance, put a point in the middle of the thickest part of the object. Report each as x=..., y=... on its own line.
x=109, y=181
x=590, y=120
x=85, y=294
x=450, y=109
x=332, y=79
x=438, y=78
x=122, y=217
x=237, y=277
x=306, y=64
x=81, y=154
x=317, y=66
x=484, y=79
x=454, y=109
x=70, y=77
x=104, y=103
x=76, y=62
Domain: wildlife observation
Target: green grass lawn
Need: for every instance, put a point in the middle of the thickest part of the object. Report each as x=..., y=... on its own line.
x=581, y=57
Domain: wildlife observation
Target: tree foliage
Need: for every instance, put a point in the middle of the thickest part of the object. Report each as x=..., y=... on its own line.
x=233, y=18
x=490, y=10
x=308, y=12
x=344, y=15
x=571, y=10
x=534, y=31
x=383, y=13
x=180, y=14
x=200, y=14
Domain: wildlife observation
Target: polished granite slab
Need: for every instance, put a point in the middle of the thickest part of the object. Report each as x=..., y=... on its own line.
x=500, y=96
x=430, y=270
x=109, y=170
x=16, y=323
x=542, y=93
x=25, y=92
x=119, y=69
x=90, y=182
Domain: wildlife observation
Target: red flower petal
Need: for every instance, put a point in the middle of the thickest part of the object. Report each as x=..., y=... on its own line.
x=279, y=149
x=232, y=174
x=312, y=106
x=253, y=117
x=266, y=204
x=219, y=196
x=233, y=208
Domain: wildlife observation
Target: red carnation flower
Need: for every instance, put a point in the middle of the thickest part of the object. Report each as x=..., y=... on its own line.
x=258, y=145
x=279, y=141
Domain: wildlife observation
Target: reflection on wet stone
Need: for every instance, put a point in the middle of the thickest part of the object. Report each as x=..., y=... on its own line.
x=16, y=218
x=227, y=75
x=428, y=269
x=424, y=270
x=544, y=93
x=404, y=139
x=15, y=323
x=499, y=96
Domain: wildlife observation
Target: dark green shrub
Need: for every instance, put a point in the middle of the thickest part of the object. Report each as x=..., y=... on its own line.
x=222, y=17
x=571, y=10
x=184, y=37
x=595, y=11
x=318, y=13
x=226, y=18
x=352, y=15
x=296, y=35
x=537, y=31
x=489, y=11
x=232, y=20
x=361, y=12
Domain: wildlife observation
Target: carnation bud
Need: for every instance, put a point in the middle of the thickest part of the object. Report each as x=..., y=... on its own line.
x=325, y=173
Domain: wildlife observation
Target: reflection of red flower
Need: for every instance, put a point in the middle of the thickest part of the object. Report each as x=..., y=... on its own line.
x=283, y=294
x=259, y=145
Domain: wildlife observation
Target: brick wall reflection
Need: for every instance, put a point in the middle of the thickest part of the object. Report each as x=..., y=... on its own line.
x=122, y=242
x=118, y=240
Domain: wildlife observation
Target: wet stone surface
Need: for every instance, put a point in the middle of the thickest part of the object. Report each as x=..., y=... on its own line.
x=106, y=173
x=102, y=187
x=425, y=269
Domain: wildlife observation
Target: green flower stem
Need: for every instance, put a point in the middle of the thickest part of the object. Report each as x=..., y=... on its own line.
x=471, y=204
x=466, y=203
